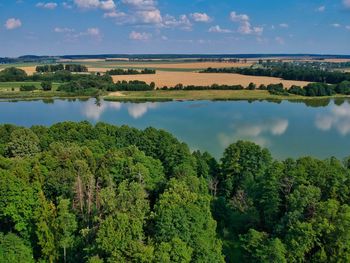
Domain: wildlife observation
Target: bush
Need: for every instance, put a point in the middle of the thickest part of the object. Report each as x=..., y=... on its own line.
x=46, y=85
x=27, y=88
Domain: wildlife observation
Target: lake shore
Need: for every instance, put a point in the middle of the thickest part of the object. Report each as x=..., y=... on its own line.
x=164, y=95
x=183, y=95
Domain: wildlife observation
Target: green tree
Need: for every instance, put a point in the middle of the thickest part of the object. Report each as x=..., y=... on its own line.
x=66, y=226
x=23, y=143
x=46, y=85
x=14, y=249
x=183, y=214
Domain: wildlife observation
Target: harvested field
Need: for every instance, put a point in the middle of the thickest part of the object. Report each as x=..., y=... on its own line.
x=162, y=78
x=29, y=70
x=166, y=66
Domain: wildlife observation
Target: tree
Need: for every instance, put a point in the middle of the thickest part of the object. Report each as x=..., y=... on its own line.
x=120, y=237
x=259, y=248
x=14, y=249
x=66, y=226
x=23, y=143
x=183, y=214
x=46, y=85
x=174, y=251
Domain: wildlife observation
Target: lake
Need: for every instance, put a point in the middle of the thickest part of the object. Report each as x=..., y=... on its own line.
x=287, y=129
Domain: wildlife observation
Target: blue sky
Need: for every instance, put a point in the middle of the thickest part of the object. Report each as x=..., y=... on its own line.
x=174, y=26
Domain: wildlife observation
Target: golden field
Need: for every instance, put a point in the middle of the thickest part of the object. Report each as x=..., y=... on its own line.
x=165, y=78
x=184, y=65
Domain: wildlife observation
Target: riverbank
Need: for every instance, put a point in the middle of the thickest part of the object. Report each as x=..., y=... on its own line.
x=167, y=95
x=163, y=95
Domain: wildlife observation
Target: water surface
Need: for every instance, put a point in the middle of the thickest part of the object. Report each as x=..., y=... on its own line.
x=288, y=129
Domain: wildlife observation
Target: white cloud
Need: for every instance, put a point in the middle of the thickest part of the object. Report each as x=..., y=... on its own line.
x=245, y=26
x=94, y=112
x=321, y=9
x=182, y=22
x=140, y=4
x=218, y=29
x=93, y=31
x=284, y=25
x=347, y=27
x=346, y=3
x=201, y=17
x=139, y=35
x=107, y=5
x=13, y=23
x=63, y=30
x=67, y=5
x=338, y=118
x=280, y=40
x=139, y=109
x=336, y=25
x=50, y=5
x=256, y=132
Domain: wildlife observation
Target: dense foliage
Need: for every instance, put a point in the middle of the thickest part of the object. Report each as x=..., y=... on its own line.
x=312, y=89
x=132, y=85
x=60, y=67
x=289, y=72
x=84, y=193
x=120, y=71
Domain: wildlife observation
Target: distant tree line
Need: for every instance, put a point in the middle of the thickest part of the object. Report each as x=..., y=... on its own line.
x=310, y=90
x=60, y=67
x=211, y=87
x=120, y=71
x=288, y=73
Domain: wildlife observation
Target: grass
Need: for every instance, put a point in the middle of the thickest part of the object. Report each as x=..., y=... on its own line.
x=162, y=95
x=8, y=86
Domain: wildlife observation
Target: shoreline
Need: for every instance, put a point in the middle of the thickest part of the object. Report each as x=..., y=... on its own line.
x=168, y=95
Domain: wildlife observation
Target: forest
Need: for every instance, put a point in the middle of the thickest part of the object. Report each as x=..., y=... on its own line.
x=59, y=67
x=288, y=71
x=77, y=192
x=130, y=71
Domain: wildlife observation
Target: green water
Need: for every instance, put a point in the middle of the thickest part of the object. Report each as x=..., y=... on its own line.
x=288, y=129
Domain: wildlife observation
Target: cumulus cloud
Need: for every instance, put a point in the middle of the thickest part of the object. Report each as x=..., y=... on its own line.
x=13, y=23
x=218, y=29
x=336, y=25
x=63, y=30
x=346, y=3
x=50, y=5
x=256, y=132
x=94, y=112
x=245, y=26
x=139, y=109
x=201, y=17
x=181, y=22
x=67, y=5
x=108, y=5
x=139, y=36
x=338, y=118
x=321, y=8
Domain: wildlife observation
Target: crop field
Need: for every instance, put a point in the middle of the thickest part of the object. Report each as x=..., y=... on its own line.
x=163, y=78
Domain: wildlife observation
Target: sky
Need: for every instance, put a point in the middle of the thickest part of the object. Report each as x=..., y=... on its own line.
x=68, y=27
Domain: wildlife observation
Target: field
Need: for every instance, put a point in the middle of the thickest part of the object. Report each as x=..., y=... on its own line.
x=163, y=78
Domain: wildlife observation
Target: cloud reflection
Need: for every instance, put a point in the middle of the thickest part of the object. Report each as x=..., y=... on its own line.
x=338, y=118
x=94, y=111
x=255, y=132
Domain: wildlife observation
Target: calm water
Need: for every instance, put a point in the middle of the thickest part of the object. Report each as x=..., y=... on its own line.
x=287, y=129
